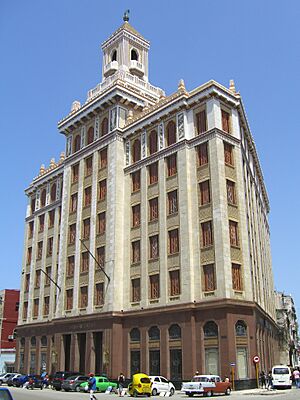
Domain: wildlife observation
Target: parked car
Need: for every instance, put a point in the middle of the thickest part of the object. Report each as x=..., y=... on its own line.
x=23, y=379
x=10, y=381
x=140, y=385
x=60, y=376
x=206, y=385
x=102, y=383
x=72, y=383
x=5, y=377
x=5, y=394
x=281, y=376
x=161, y=384
x=20, y=380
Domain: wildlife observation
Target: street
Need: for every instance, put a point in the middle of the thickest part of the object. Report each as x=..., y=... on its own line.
x=48, y=394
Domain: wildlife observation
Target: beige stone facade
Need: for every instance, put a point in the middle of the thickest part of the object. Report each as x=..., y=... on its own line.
x=168, y=196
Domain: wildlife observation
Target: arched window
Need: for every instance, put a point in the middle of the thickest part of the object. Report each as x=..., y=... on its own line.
x=134, y=55
x=240, y=328
x=174, y=332
x=104, y=127
x=210, y=329
x=90, y=135
x=43, y=198
x=33, y=341
x=114, y=55
x=44, y=341
x=136, y=150
x=53, y=192
x=171, y=133
x=153, y=142
x=135, y=335
x=154, y=333
x=77, y=143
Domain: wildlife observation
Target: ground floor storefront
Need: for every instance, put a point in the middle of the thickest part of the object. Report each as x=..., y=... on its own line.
x=218, y=337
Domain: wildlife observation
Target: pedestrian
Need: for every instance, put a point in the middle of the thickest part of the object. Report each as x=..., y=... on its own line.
x=296, y=376
x=92, y=386
x=270, y=380
x=262, y=378
x=121, y=381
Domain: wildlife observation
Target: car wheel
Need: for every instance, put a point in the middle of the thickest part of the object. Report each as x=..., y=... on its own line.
x=209, y=393
x=135, y=393
x=190, y=394
x=1, y=382
x=172, y=391
x=77, y=389
x=227, y=391
x=154, y=392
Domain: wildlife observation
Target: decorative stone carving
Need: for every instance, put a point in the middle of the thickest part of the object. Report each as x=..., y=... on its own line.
x=161, y=135
x=232, y=86
x=181, y=85
x=144, y=144
x=37, y=200
x=130, y=116
x=42, y=169
x=127, y=151
x=96, y=128
x=52, y=163
x=75, y=106
x=62, y=157
x=113, y=119
x=69, y=145
x=83, y=133
x=180, y=125
x=48, y=194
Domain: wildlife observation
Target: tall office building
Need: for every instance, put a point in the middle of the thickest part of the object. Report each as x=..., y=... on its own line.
x=154, y=231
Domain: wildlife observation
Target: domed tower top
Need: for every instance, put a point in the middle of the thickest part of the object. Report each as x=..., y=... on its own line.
x=125, y=50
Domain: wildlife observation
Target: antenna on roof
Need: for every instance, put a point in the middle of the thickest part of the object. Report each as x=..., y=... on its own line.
x=126, y=16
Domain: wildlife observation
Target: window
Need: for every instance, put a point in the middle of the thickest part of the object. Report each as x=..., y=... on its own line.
x=136, y=251
x=83, y=297
x=153, y=209
x=32, y=205
x=85, y=258
x=173, y=241
x=136, y=215
x=48, y=276
x=135, y=361
x=46, y=305
x=233, y=233
x=87, y=196
x=134, y=55
x=86, y=228
x=236, y=277
x=101, y=256
x=174, y=332
x=240, y=329
x=69, y=299
x=72, y=234
x=51, y=218
x=202, y=154
x=103, y=158
x=75, y=173
x=225, y=121
x=171, y=133
x=154, y=286
x=136, y=181
x=73, y=205
x=154, y=333
x=101, y=223
x=154, y=247
x=230, y=192
x=174, y=283
x=39, y=250
x=99, y=294
x=172, y=165
x=201, y=122
x=53, y=193
x=35, y=308
x=209, y=283
x=136, y=150
x=27, y=282
x=41, y=223
x=104, y=126
x=172, y=202
x=29, y=255
x=228, y=154
x=204, y=193
x=70, y=266
x=25, y=309
x=210, y=329
x=30, y=229
x=135, y=335
x=90, y=135
x=88, y=166
x=102, y=189
x=43, y=198
x=153, y=173
x=77, y=143
x=207, y=238
x=135, y=290
x=50, y=246
x=152, y=142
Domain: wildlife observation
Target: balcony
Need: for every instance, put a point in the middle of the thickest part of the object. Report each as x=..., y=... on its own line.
x=110, y=68
x=136, y=68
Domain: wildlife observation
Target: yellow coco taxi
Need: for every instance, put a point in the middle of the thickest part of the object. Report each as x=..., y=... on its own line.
x=140, y=385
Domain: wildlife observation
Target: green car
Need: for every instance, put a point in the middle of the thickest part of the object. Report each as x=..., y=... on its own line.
x=102, y=383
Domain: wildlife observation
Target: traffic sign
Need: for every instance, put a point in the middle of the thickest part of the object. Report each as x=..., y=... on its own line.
x=256, y=359
x=232, y=364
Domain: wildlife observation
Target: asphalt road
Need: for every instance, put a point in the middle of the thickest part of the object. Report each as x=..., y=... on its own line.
x=48, y=394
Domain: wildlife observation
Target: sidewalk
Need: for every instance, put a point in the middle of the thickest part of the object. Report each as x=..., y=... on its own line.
x=258, y=391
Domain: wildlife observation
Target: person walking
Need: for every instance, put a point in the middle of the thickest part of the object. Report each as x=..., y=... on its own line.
x=296, y=376
x=262, y=378
x=121, y=381
x=92, y=386
x=270, y=380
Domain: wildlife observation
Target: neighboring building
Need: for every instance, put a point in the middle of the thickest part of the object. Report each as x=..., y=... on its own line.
x=288, y=329
x=9, y=307
x=167, y=192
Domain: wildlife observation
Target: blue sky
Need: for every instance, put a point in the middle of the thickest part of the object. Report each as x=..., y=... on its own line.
x=51, y=56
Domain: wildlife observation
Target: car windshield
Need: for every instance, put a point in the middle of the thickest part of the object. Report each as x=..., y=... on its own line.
x=281, y=371
x=71, y=377
x=145, y=380
x=200, y=379
x=59, y=375
x=4, y=395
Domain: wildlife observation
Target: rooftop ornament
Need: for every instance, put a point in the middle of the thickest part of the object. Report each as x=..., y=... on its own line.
x=126, y=16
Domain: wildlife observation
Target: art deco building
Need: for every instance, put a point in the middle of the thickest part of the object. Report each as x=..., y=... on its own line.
x=154, y=231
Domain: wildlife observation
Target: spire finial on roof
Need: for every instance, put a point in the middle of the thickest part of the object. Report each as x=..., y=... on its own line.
x=126, y=16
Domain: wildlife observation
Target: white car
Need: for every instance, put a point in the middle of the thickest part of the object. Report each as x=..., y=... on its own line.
x=161, y=384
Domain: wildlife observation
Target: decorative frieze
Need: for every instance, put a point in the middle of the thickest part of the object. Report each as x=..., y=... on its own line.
x=144, y=144
x=96, y=128
x=180, y=125
x=69, y=146
x=161, y=135
x=113, y=118
x=127, y=151
x=83, y=133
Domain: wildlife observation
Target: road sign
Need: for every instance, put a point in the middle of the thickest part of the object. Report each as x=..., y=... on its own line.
x=256, y=359
x=232, y=364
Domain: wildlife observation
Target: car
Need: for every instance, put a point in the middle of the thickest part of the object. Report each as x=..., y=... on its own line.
x=206, y=385
x=281, y=376
x=60, y=376
x=161, y=384
x=5, y=394
x=72, y=383
x=23, y=379
x=140, y=385
x=102, y=383
x=5, y=377
x=10, y=381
